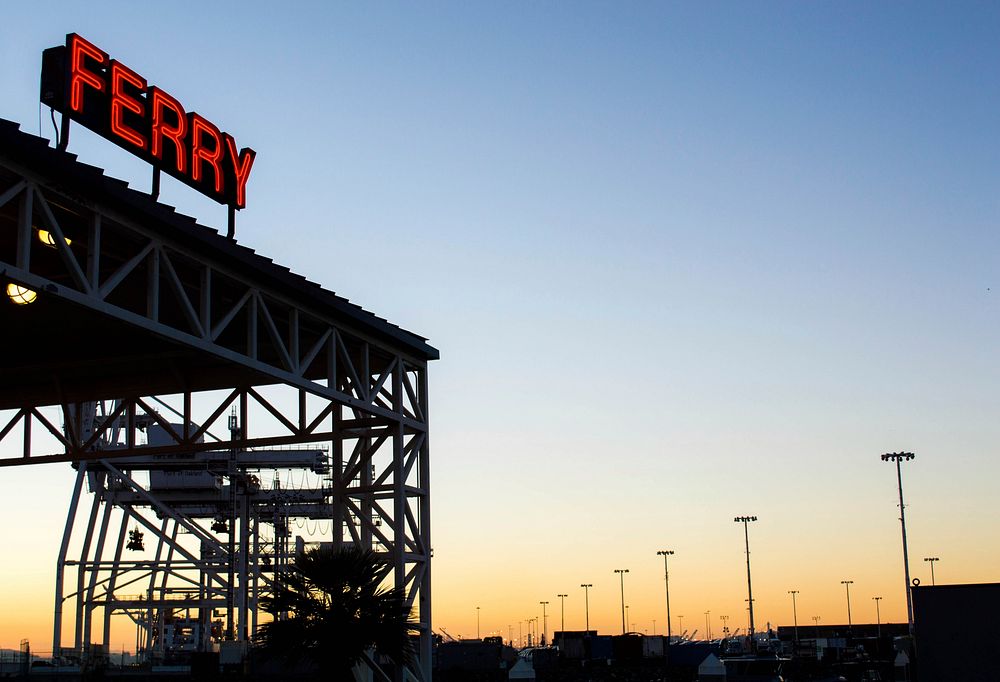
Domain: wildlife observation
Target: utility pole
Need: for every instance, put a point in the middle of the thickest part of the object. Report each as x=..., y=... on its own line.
x=847, y=584
x=899, y=457
x=562, y=603
x=666, y=581
x=586, y=601
x=621, y=573
x=545, y=622
x=795, y=614
x=931, y=560
x=746, y=534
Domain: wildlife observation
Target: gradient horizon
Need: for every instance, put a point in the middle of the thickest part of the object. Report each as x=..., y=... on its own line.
x=683, y=262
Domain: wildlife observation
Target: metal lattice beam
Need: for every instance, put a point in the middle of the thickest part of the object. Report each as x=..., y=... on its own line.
x=140, y=308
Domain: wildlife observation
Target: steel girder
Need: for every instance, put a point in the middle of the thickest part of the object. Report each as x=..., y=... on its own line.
x=184, y=323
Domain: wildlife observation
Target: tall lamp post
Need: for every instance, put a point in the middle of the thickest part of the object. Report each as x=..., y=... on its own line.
x=477, y=623
x=562, y=604
x=725, y=625
x=621, y=573
x=680, y=624
x=545, y=623
x=878, y=616
x=666, y=581
x=899, y=457
x=708, y=626
x=586, y=605
x=795, y=614
x=931, y=560
x=847, y=584
x=745, y=520
x=816, y=621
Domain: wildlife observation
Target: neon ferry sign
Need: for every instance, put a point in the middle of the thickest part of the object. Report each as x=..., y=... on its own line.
x=83, y=83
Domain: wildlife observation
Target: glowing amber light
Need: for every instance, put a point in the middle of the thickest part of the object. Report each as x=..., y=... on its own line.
x=20, y=295
x=49, y=239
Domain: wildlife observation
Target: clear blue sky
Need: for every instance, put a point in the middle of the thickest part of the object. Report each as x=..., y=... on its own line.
x=683, y=261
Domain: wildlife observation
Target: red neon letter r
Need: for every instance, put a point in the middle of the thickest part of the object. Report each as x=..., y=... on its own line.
x=201, y=128
x=159, y=102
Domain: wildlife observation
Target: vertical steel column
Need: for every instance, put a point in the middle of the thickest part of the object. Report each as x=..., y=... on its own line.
x=88, y=604
x=424, y=463
x=98, y=483
x=61, y=560
x=113, y=579
x=152, y=585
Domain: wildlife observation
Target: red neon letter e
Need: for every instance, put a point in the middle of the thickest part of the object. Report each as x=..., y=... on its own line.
x=79, y=75
x=159, y=102
x=121, y=100
x=242, y=163
x=201, y=128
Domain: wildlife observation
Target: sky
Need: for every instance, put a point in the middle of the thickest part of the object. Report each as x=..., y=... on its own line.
x=683, y=262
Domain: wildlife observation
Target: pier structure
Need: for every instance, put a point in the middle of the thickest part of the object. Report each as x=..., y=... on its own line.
x=179, y=372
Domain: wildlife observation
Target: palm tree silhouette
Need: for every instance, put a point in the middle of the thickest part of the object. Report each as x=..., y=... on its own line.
x=335, y=611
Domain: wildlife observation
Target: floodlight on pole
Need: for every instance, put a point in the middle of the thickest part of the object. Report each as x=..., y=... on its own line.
x=931, y=560
x=745, y=520
x=477, y=623
x=562, y=602
x=621, y=574
x=545, y=623
x=878, y=616
x=666, y=581
x=586, y=605
x=898, y=458
x=847, y=584
x=795, y=614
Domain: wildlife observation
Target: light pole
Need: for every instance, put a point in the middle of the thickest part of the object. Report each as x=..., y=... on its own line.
x=586, y=602
x=878, y=616
x=816, y=620
x=795, y=614
x=746, y=534
x=621, y=573
x=680, y=624
x=708, y=626
x=477, y=623
x=847, y=584
x=931, y=560
x=627, y=616
x=725, y=625
x=562, y=603
x=545, y=623
x=666, y=581
x=899, y=457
